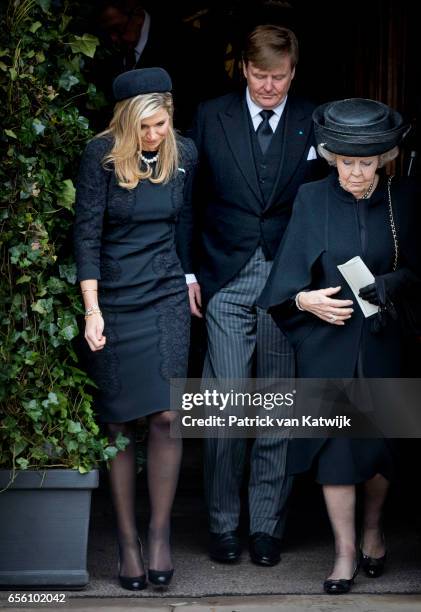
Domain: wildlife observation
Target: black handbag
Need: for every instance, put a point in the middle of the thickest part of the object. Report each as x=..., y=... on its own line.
x=408, y=308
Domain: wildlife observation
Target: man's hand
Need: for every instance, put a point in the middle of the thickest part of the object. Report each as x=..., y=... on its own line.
x=326, y=308
x=195, y=299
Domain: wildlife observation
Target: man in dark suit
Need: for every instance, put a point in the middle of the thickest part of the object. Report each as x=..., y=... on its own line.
x=142, y=38
x=255, y=149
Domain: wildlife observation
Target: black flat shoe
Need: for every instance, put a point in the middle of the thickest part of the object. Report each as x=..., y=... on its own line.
x=373, y=568
x=341, y=586
x=265, y=549
x=137, y=583
x=224, y=547
x=160, y=578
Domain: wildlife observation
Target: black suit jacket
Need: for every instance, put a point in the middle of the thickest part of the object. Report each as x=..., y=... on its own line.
x=231, y=213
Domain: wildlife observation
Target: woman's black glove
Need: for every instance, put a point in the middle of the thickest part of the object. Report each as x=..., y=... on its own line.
x=380, y=293
x=385, y=287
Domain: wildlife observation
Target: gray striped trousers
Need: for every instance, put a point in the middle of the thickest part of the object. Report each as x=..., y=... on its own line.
x=244, y=342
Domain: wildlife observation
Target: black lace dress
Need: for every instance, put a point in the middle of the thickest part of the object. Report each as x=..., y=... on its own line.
x=126, y=239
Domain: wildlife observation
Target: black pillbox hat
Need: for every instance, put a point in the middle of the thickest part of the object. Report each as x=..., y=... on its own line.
x=141, y=81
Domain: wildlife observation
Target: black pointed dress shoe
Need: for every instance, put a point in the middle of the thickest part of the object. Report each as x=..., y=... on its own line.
x=225, y=547
x=160, y=578
x=265, y=549
x=137, y=583
x=133, y=583
x=341, y=586
x=373, y=567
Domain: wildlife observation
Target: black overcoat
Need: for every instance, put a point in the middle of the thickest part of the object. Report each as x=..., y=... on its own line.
x=328, y=227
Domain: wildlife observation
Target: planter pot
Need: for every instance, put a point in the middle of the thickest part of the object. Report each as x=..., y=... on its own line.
x=44, y=521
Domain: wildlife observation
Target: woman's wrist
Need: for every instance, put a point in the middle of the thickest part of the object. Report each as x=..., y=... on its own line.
x=298, y=302
x=92, y=311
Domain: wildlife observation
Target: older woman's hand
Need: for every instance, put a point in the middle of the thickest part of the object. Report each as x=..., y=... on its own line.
x=93, y=332
x=320, y=304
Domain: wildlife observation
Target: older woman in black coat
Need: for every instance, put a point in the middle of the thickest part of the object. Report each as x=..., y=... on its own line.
x=356, y=211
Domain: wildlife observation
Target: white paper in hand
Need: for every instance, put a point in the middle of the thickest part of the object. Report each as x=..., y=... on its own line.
x=357, y=275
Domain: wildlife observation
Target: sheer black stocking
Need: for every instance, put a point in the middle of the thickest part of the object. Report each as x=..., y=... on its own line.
x=123, y=493
x=375, y=495
x=163, y=464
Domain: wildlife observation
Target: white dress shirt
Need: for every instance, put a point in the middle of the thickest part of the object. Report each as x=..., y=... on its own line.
x=143, y=38
x=256, y=117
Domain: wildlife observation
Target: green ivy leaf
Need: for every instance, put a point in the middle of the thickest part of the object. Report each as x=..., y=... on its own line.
x=20, y=446
x=74, y=427
x=69, y=332
x=56, y=286
x=42, y=306
x=72, y=446
x=67, y=194
x=10, y=133
x=51, y=400
x=111, y=452
x=35, y=26
x=68, y=272
x=65, y=20
x=22, y=463
x=45, y=5
x=85, y=44
x=67, y=80
x=38, y=127
x=23, y=279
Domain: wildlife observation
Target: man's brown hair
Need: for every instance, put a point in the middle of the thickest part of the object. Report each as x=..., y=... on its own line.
x=267, y=43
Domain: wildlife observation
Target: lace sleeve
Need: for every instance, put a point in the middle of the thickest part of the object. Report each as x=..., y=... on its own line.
x=185, y=225
x=91, y=200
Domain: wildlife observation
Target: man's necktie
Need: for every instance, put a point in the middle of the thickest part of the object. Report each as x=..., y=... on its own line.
x=264, y=131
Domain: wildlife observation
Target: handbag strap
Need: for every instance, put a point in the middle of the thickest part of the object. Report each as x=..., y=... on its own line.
x=392, y=225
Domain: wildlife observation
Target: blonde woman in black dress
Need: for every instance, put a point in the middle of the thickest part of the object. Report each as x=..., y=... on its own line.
x=133, y=199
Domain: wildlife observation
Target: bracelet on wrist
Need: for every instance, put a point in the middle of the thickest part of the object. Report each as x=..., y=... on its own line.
x=297, y=301
x=89, y=312
x=87, y=290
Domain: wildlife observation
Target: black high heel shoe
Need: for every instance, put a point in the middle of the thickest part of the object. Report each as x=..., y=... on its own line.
x=373, y=567
x=161, y=578
x=341, y=586
x=133, y=583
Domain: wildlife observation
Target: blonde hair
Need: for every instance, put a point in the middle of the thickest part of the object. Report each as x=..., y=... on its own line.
x=384, y=158
x=125, y=128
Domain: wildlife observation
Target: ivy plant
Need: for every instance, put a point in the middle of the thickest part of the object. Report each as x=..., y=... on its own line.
x=45, y=400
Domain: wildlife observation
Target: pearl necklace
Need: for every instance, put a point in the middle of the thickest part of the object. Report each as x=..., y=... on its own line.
x=149, y=160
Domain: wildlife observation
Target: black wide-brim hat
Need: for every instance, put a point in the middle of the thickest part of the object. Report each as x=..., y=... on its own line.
x=358, y=127
x=141, y=81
